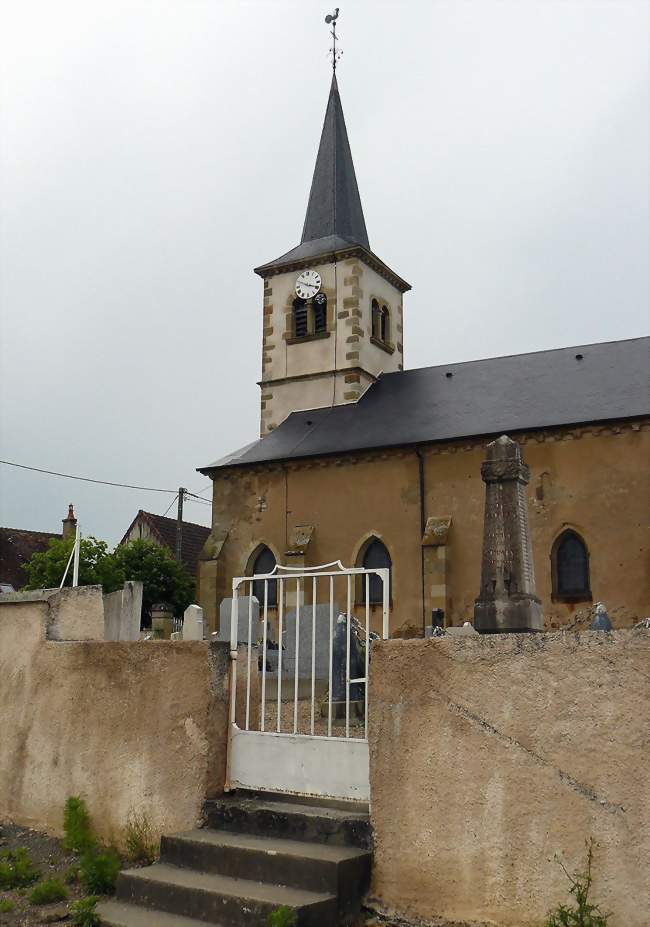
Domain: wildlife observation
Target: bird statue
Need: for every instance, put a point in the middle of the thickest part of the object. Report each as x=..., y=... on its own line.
x=332, y=17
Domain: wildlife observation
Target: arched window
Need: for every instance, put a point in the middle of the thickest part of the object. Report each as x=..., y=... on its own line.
x=375, y=555
x=320, y=313
x=384, y=328
x=570, y=567
x=264, y=563
x=300, y=318
x=376, y=326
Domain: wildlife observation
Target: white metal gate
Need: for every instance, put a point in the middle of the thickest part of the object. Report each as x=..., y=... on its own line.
x=278, y=739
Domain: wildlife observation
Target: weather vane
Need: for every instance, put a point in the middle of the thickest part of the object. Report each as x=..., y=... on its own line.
x=335, y=52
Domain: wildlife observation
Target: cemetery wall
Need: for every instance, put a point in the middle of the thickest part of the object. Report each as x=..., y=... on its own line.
x=126, y=725
x=491, y=754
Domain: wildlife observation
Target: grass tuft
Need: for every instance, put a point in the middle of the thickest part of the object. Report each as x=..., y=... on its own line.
x=98, y=871
x=83, y=912
x=48, y=892
x=138, y=838
x=283, y=916
x=16, y=869
x=77, y=828
x=582, y=913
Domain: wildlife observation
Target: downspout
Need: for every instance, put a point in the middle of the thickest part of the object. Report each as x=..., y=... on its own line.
x=418, y=452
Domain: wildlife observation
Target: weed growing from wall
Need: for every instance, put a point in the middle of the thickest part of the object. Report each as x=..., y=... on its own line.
x=77, y=829
x=582, y=913
x=138, y=838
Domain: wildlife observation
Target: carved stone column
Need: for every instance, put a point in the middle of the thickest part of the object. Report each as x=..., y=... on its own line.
x=507, y=601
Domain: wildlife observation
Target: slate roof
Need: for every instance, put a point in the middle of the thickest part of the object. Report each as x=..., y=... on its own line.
x=566, y=386
x=164, y=531
x=334, y=220
x=16, y=548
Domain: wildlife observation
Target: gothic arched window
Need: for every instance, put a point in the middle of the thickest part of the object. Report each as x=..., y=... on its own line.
x=300, y=318
x=376, y=326
x=375, y=555
x=570, y=567
x=384, y=326
x=264, y=562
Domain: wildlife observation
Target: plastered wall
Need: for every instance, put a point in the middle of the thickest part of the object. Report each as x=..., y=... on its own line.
x=490, y=755
x=591, y=479
x=137, y=725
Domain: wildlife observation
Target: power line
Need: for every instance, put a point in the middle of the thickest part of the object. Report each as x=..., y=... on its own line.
x=87, y=479
x=170, y=505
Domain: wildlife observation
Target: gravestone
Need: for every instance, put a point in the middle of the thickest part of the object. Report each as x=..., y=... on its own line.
x=223, y=634
x=304, y=642
x=601, y=620
x=122, y=611
x=507, y=601
x=339, y=673
x=193, y=623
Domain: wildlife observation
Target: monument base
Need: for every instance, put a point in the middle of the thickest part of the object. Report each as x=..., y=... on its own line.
x=518, y=614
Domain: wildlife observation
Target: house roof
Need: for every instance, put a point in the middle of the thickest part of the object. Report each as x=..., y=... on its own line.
x=164, y=531
x=16, y=548
x=566, y=386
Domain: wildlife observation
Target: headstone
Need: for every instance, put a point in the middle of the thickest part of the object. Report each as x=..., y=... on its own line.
x=339, y=667
x=223, y=634
x=507, y=601
x=122, y=612
x=305, y=639
x=193, y=623
x=601, y=620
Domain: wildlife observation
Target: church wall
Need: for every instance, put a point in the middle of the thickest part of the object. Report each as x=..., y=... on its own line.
x=591, y=479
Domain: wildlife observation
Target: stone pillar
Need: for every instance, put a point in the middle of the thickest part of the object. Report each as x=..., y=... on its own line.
x=69, y=524
x=507, y=601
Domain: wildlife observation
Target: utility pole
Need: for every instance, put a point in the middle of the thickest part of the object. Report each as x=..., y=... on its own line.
x=179, y=524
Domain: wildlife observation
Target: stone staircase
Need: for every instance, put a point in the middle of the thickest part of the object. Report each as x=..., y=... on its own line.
x=257, y=852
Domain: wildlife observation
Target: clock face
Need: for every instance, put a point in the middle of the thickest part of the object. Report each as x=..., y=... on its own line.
x=308, y=284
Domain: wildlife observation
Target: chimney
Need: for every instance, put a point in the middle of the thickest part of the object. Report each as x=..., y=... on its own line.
x=69, y=524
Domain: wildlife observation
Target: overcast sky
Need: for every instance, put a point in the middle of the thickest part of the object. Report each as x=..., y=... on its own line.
x=153, y=153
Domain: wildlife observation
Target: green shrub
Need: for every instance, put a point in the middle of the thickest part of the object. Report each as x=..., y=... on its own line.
x=283, y=917
x=6, y=905
x=98, y=871
x=138, y=838
x=47, y=892
x=83, y=912
x=16, y=869
x=76, y=826
x=583, y=913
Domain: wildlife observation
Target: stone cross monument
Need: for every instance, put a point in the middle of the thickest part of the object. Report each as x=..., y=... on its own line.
x=507, y=601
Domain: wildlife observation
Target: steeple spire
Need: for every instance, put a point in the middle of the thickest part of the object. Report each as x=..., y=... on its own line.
x=334, y=206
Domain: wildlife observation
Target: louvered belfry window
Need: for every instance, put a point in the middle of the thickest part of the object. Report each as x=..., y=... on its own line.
x=320, y=313
x=571, y=567
x=300, y=318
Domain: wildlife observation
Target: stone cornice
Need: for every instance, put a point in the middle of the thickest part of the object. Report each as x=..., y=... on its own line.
x=456, y=446
x=354, y=251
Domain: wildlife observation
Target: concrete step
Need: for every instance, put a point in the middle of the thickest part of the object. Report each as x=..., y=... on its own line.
x=219, y=899
x=337, y=870
x=117, y=914
x=264, y=815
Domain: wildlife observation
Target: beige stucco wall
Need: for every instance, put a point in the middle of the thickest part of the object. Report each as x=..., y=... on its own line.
x=126, y=725
x=488, y=756
x=350, y=286
x=593, y=479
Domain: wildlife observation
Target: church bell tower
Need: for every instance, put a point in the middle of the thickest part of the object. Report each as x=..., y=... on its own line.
x=332, y=316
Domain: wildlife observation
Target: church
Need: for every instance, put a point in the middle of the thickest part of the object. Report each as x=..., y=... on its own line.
x=364, y=462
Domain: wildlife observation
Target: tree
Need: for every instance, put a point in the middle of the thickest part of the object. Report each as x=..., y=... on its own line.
x=163, y=578
x=96, y=565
